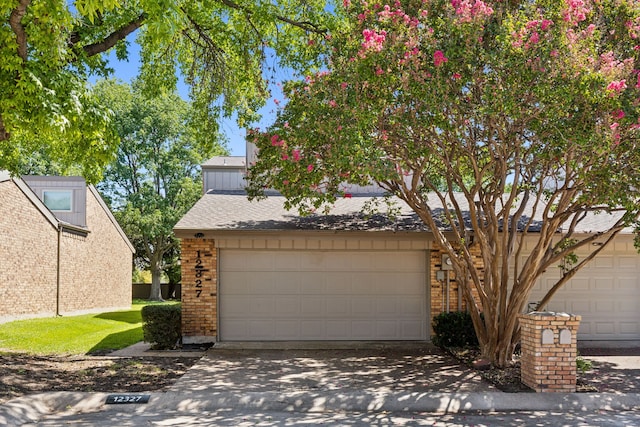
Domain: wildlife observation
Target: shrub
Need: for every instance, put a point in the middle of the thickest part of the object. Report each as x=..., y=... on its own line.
x=454, y=329
x=161, y=325
x=583, y=365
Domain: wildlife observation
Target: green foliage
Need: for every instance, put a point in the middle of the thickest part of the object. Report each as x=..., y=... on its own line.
x=162, y=325
x=490, y=119
x=155, y=178
x=454, y=329
x=583, y=365
x=84, y=334
x=50, y=50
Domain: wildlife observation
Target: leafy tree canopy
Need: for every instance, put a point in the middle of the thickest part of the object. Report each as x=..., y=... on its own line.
x=50, y=48
x=155, y=178
x=518, y=117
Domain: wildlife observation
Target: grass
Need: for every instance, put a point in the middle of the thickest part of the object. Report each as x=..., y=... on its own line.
x=89, y=333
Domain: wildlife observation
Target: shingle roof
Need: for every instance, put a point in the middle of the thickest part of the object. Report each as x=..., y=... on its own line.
x=217, y=211
x=234, y=211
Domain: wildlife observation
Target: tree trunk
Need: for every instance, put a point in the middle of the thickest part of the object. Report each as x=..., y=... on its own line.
x=156, y=290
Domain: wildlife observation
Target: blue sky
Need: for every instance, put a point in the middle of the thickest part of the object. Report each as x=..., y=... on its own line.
x=128, y=70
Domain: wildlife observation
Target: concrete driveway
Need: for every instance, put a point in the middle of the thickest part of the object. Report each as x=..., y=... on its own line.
x=314, y=384
x=326, y=368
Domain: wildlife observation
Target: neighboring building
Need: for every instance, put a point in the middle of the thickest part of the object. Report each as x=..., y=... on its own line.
x=253, y=271
x=61, y=250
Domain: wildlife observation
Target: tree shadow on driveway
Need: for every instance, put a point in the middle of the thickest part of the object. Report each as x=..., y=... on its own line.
x=423, y=369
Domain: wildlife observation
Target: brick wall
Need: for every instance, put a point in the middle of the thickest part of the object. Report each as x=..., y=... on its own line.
x=95, y=272
x=28, y=253
x=549, y=351
x=199, y=290
x=457, y=300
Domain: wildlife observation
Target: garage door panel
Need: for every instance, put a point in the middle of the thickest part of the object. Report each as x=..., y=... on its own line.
x=628, y=262
x=629, y=328
x=605, y=293
x=349, y=300
x=338, y=307
x=603, y=262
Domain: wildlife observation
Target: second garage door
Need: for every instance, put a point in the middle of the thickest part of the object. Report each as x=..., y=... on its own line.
x=322, y=295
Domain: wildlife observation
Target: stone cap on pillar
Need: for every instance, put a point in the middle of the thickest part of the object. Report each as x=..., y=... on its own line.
x=561, y=315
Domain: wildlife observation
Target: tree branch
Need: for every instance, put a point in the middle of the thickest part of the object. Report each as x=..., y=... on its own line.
x=113, y=38
x=4, y=135
x=304, y=25
x=15, y=22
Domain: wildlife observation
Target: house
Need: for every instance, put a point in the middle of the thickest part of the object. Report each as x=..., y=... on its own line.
x=61, y=250
x=253, y=271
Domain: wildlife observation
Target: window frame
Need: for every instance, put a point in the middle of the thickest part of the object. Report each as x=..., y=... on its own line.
x=69, y=192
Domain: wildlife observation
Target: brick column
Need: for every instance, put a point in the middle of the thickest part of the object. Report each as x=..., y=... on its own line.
x=549, y=351
x=199, y=291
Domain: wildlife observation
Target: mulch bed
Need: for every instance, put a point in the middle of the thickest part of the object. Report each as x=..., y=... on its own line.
x=507, y=379
x=24, y=374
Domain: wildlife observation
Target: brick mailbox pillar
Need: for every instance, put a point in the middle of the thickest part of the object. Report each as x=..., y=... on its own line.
x=549, y=351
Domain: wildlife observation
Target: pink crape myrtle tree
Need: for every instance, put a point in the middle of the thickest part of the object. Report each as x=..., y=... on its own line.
x=519, y=117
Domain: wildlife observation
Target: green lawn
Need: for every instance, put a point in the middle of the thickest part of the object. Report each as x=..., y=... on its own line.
x=84, y=334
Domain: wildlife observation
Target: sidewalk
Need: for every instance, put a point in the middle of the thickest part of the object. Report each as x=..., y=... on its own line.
x=379, y=379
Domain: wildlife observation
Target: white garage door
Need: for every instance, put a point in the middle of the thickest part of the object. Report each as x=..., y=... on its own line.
x=322, y=295
x=606, y=293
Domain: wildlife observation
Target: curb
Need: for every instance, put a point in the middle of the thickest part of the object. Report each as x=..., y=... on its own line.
x=30, y=409
x=359, y=401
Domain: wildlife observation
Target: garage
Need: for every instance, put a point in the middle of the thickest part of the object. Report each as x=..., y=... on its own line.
x=606, y=293
x=289, y=295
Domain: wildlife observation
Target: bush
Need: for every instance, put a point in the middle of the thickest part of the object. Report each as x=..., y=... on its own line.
x=454, y=329
x=583, y=365
x=161, y=325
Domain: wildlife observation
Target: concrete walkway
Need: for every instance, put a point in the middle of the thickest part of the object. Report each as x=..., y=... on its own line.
x=375, y=378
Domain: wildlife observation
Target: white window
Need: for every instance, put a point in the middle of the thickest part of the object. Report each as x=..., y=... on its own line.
x=58, y=200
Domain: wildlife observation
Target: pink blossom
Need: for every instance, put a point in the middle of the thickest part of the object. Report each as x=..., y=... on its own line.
x=545, y=24
x=344, y=85
x=285, y=156
x=276, y=141
x=347, y=195
x=614, y=126
x=618, y=114
x=379, y=71
x=332, y=103
x=346, y=3
x=469, y=10
x=439, y=58
x=296, y=155
x=456, y=76
x=373, y=39
x=576, y=11
x=617, y=86
x=310, y=168
x=535, y=38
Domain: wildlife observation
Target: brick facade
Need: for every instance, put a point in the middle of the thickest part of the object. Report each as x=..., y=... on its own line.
x=456, y=299
x=95, y=267
x=549, y=351
x=199, y=309
x=199, y=290
x=95, y=271
x=28, y=254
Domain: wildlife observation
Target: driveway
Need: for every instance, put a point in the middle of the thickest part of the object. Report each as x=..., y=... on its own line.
x=416, y=368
